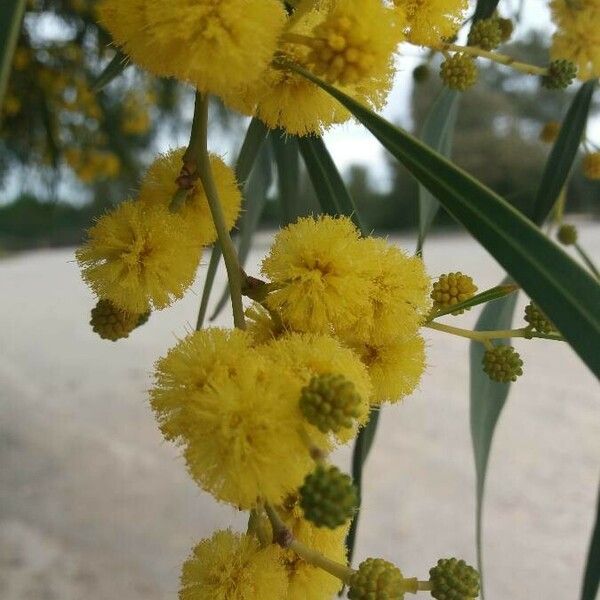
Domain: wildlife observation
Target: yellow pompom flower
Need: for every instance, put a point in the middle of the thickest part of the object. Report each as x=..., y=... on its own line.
x=432, y=21
x=159, y=186
x=591, y=165
x=395, y=367
x=231, y=566
x=318, y=264
x=302, y=356
x=355, y=43
x=240, y=426
x=307, y=582
x=217, y=45
x=578, y=36
x=399, y=293
x=139, y=258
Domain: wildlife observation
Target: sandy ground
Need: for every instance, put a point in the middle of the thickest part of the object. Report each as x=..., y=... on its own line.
x=94, y=505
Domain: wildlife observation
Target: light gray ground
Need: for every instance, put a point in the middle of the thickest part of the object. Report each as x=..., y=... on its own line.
x=95, y=506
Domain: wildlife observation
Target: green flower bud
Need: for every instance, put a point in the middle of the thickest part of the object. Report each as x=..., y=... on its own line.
x=567, y=234
x=459, y=72
x=112, y=323
x=537, y=319
x=421, y=73
x=506, y=28
x=453, y=579
x=502, y=364
x=330, y=402
x=485, y=34
x=560, y=75
x=452, y=288
x=328, y=497
x=376, y=579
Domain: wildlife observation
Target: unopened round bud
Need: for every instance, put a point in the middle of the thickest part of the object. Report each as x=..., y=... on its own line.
x=591, y=165
x=459, y=72
x=452, y=288
x=506, y=28
x=421, y=73
x=560, y=74
x=502, y=364
x=112, y=323
x=376, y=579
x=567, y=234
x=330, y=402
x=485, y=34
x=550, y=132
x=328, y=497
x=453, y=579
x=537, y=319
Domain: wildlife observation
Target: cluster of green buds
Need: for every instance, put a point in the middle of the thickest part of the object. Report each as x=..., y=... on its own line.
x=502, y=364
x=486, y=34
x=459, y=72
x=537, y=320
x=567, y=234
x=112, y=323
x=451, y=289
x=560, y=74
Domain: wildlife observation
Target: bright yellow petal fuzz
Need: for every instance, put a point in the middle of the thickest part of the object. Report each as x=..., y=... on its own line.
x=307, y=582
x=395, y=368
x=578, y=35
x=399, y=293
x=217, y=45
x=356, y=42
x=231, y=566
x=159, y=185
x=201, y=360
x=139, y=257
x=318, y=265
x=307, y=355
x=432, y=21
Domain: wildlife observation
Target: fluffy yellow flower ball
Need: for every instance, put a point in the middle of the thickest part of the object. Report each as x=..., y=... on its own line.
x=217, y=45
x=240, y=428
x=395, y=367
x=318, y=266
x=139, y=257
x=305, y=355
x=578, y=35
x=159, y=185
x=429, y=22
x=231, y=566
x=591, y=165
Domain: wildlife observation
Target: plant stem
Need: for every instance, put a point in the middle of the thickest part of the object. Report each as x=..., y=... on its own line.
x=197, y=153
x=484, y=336
x=503, y=59
x=284, y=537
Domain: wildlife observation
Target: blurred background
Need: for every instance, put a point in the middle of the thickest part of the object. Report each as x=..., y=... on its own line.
x=94, y=505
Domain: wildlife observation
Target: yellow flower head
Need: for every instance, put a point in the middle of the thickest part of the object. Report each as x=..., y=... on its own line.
x=591, y=165
x=305, y=355
x=399, y=293
x=318, y=265
x=431, y=21
x=159, y=185
x=138, y=258
x=217, y=45
x=578, y=36
x=355, y=42
x=236, y=417
x=231, y=566
x=199, y=361
x=260, y=324
x=307, y=582
x=395, y=367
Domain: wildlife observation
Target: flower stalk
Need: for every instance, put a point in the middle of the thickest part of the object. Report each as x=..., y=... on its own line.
x=486, y=336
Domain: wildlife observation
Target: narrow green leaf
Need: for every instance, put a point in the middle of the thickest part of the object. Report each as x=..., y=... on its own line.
x=285, y=150
x=327, y=181
x=487, y=401
x=112, y=70
x=562, y=288
x=11, y=17
x=563, y=154
x=490, y=295
x=437, y=133
x=589, y=263
x=362, y=447
x=255, y=199
x=253, y=140
x=591, y=577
